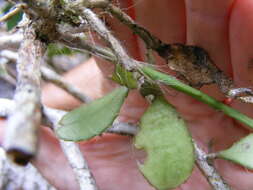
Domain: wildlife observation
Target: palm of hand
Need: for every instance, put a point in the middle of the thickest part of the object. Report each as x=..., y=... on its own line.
x=224, y=29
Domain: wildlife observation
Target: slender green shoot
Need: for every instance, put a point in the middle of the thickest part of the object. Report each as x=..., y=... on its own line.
x=179, y=86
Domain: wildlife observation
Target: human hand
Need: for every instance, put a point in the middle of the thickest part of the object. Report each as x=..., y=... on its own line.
x=224, y=29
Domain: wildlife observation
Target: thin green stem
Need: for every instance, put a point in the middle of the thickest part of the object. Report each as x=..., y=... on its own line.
x=179, y=86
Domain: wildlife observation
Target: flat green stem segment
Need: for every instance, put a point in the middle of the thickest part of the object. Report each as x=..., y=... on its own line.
x=92, y=119
x=165, y=138
x=179, y=86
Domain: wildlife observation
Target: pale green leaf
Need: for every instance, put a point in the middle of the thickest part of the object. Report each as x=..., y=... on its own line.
x=241, y=152
x=165, y=138
x=90, y=120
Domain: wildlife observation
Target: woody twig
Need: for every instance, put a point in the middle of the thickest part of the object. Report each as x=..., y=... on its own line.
x=23, y=124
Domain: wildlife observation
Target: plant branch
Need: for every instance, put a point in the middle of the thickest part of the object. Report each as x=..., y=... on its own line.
x=20, y=139
x=10, y=55
x=80, y=44
x=150, y=40
x=10, y=41
x=16, y=177
x=213, y=177
x=13, y=12
x=5, y=73
x=97, y=25
x=51, y=76
x=7, y=107
x=122, y=128
x=71, y=150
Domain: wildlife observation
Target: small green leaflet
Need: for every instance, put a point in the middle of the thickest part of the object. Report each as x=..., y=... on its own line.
x=124, y=77
x=165, y=138
x=241, y=152
x=90, y=120
x=54, y=49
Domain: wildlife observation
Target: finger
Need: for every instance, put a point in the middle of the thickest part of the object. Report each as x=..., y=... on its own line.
x=207, y=26
x=210, y=17
x=165, y=19
x=241, y=29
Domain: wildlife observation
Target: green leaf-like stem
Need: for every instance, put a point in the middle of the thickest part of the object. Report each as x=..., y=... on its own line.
x=176, y=84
